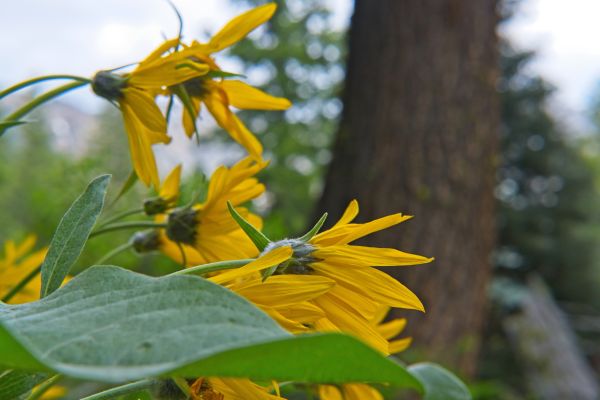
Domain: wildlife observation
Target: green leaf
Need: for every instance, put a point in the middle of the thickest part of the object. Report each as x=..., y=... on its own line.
x=257, y=237
x=314, y=358
x=72, y=233
x=110, y=324
x=314, y=230
x=18, y=384
x=439, y=383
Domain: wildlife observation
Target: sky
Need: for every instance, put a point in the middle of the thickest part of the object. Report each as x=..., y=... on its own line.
x=565, y=35
x=80, y=37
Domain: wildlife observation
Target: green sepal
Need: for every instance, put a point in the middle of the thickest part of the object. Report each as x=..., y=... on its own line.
x=186, y=100
x=271, y=270
x=223, y=74
x=314, y=230
x=257, y=237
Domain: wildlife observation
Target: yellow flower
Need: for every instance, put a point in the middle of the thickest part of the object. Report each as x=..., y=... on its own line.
x=54, y=393
x=360, y=291
x=286, y=298
x=219, y=94
x=18, y=263
x=229, y=389
x=206, y=231
x=134, y=92
x=349, y=391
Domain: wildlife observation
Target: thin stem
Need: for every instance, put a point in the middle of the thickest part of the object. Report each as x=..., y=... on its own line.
x=44, y=387
x=121, y=215
x=121, y=390
x=114, y=252
x=215, y=266
x=41, y=100
x=21, y=284
x=127, y=225
x=29, y=82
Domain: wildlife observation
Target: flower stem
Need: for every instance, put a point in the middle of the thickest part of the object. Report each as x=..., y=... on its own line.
x=44, y=387
x=121, y=215
x=215, y=266
x=21, y=284
x=39, y=101
x=127, y=225
x=114, y=252
x=121, y=390
x=29, y=82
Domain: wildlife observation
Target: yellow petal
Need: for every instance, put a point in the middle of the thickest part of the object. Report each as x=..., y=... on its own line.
x=392, y=328
x=284, y=290
x=14, y=252
x=304, y=312
x=396, y=346
x=173, y=251
x=188, y=120
x=342, y=314
x=170, y=187
x=289, y=324
x=148, y=113
x=274, y=257
x=361, y=391
x=349, y=214
x=365, y=256
x=246, y=97
x=362, y=304
x=373, y=283
x=240, y=26
x=380, y=314
x=218, y=105
x=140, y=147
x=240, y=389
x=329, y=392
x=343, y=234
x=160, y=50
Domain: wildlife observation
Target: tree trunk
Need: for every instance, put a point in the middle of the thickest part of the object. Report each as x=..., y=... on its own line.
x=418, y=135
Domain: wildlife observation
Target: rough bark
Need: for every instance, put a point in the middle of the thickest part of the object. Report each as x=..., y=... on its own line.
x=418, y=134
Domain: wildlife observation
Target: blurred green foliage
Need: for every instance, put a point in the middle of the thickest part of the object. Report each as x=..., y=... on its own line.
x=38, y=182
x=548, y=217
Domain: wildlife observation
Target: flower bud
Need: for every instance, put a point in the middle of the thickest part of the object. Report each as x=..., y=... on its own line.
x=146, y=241
x=155, y=205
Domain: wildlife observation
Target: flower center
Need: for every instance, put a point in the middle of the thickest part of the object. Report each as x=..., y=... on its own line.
x=108, y=85
x=181, y=225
